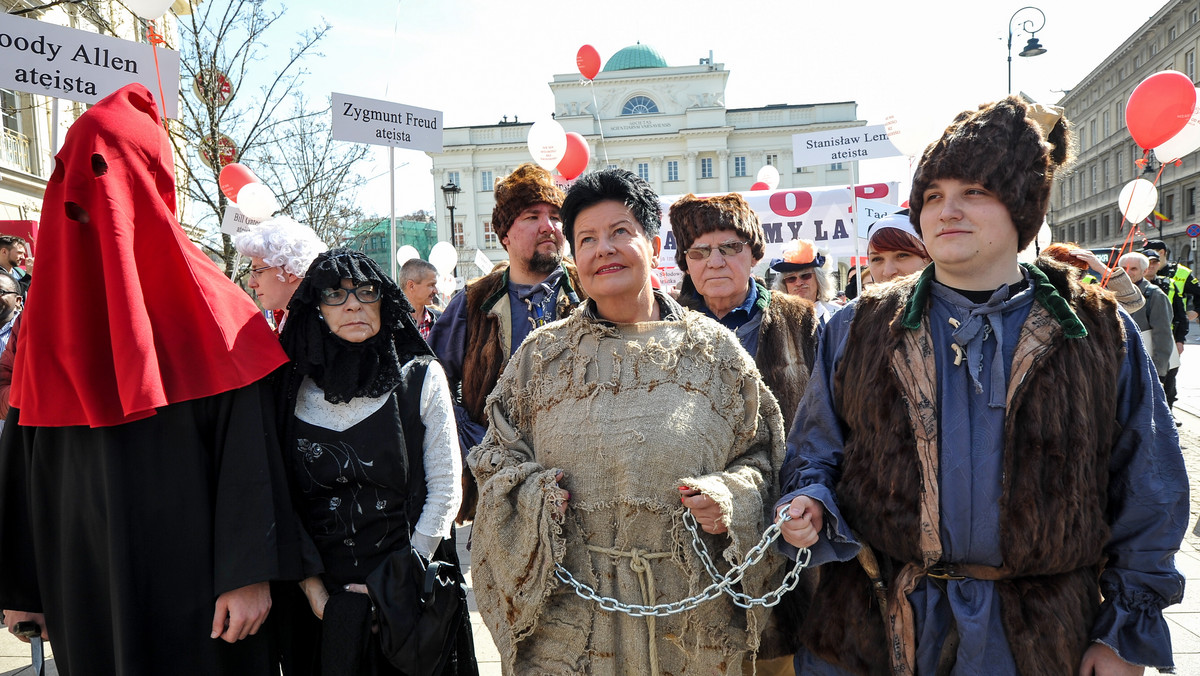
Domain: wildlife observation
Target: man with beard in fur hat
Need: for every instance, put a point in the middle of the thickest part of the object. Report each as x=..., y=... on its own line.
x=983, y=461
x=484, y=325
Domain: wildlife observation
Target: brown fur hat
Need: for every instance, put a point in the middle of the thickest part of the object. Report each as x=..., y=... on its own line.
x=1002, y=147
x=528, y=185
x=693, y=216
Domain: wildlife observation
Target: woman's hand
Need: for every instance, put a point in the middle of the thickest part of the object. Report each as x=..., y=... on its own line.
x=805, y=525
x=1100, y=660
x=564, y=495
x=706, y=511
x=317, y=596
x=1090, y=258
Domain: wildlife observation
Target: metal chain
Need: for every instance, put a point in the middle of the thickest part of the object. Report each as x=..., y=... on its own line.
x=722, y=584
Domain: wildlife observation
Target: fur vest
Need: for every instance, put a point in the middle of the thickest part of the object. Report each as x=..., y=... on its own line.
x=1059, y=430
x=489, y=333
x=787, y=342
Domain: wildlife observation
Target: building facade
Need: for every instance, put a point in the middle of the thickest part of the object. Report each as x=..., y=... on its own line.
x=1083, y=208
x=26, y=120
x=374, y=238
x=668, y=124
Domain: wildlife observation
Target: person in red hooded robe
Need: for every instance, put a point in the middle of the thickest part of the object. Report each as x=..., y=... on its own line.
x=143, y=502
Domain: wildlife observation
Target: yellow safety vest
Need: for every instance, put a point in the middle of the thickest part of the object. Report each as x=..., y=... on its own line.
x=1178, y=281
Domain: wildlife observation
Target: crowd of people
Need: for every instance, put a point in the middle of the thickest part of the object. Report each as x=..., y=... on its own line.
x=971, y=467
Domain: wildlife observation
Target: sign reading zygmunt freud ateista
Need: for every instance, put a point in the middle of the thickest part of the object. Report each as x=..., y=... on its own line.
x=41, y=58
x=362, y=120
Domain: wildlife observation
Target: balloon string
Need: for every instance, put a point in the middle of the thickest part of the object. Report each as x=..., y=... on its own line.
x=156, y=39
x=596, y=112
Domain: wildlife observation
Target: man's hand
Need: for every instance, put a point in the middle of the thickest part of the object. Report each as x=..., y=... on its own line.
x=1088, y=257
x=317, y=595
x=1100, y=660
x=1179, y=346
x=705, y=509
x=803, y=529
x=241, y=612
x=12, y=617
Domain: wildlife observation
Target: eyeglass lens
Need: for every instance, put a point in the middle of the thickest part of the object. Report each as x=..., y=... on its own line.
x=365, y=293
x=703, y=251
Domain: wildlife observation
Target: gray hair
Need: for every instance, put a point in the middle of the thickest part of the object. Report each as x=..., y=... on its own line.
x=1141, y=259
x=282, y=242
x=824, y=285
x=414, y=270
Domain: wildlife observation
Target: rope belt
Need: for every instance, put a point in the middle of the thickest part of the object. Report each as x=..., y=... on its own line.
x=639, y=563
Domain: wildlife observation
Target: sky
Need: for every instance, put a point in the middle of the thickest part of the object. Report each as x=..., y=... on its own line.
x=477, y=61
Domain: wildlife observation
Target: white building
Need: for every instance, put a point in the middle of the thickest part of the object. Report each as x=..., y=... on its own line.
x=668, y=124
x=26, y=146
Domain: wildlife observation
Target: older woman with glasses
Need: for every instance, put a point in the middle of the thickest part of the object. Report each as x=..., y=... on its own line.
x=606, y=429
x=370, y=440
x=802, y=273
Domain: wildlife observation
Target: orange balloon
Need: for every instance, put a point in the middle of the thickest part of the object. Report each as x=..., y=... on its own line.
x=588, y=61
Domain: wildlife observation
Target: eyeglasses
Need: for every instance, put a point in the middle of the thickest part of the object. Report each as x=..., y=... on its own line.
x=792, y=279
x=256, y=272
x=365, y=293
x=701, y=252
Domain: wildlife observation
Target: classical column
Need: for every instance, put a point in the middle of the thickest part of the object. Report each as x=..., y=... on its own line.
x=656, y=170
x=723, y=168
x=691, y=170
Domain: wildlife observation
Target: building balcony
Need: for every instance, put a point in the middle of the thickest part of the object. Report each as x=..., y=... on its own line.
x=14, y=151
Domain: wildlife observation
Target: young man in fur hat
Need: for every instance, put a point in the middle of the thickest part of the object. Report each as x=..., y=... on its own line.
x=484, y=325
x=983, y=461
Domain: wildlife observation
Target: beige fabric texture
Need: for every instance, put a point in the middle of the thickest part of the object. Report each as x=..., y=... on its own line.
x=629, y=413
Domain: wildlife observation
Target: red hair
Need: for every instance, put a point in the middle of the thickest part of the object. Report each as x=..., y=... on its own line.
x=1061, y=252
x=892, y=239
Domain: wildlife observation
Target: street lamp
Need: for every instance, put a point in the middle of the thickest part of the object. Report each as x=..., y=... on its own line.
x=1033, y=47
x=450, y=194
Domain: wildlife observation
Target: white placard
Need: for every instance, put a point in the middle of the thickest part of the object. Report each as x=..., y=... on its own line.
x=68, y=63
x=235, y=222
x=870, y=211
x=482, y=262
x=362, y=120
x=842, y=145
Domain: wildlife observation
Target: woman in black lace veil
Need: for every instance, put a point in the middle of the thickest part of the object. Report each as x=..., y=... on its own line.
x=369, y=438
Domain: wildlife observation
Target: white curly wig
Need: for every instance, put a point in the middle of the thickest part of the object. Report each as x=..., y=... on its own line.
x=281, y=241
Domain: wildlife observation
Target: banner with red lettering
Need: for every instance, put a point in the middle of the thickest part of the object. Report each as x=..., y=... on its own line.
x=821, y=214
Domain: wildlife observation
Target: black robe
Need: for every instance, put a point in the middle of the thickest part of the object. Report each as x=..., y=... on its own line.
x=125, y=536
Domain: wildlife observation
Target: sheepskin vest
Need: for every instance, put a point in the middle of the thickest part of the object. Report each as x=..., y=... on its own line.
x=787, y=342
x=489, y=333
x=1059, y=429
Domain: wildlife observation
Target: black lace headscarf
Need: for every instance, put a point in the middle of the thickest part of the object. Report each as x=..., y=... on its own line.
x=344, y=370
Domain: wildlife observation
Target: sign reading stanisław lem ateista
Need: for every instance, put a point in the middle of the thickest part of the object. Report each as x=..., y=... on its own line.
x=362, y=120
x=41, y=58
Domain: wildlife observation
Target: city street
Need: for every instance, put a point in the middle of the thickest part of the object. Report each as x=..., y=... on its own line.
x=1184, y=617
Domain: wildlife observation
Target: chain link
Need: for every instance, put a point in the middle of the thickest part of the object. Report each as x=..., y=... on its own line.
x=722, y=584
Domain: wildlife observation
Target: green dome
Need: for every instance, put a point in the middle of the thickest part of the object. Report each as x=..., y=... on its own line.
x=635, y=56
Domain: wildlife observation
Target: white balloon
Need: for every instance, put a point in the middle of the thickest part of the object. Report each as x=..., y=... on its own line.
x=406, y=253
x=444, y=257
x=1184, y=142
x=1138, y=198
x=906, y=137
x=257, y=201
x=547, y=143
x=769, y=175
x=445, y=285
x=149, y=9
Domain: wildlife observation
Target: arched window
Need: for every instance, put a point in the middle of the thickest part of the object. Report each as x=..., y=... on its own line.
x=639, y=105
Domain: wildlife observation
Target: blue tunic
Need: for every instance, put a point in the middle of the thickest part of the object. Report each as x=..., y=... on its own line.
x=1148, y=485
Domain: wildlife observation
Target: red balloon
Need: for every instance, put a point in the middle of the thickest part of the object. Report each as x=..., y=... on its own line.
x=234, y=177
x=588, y=61
x=1160, y=107
x=760, y=186
x=575, y=160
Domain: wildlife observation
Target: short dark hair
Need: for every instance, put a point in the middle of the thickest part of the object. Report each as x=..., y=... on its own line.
x=617, y=185
x=414, y=269
x=9, y=285
x=9, y=241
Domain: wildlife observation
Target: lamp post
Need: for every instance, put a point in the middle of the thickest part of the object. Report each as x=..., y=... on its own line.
x=450, y=194
x=1033, y=47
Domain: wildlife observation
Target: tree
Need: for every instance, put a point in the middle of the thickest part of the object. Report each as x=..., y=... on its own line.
x=308, y=172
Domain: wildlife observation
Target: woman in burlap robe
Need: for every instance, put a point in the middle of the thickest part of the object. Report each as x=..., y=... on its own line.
x=603, y=429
